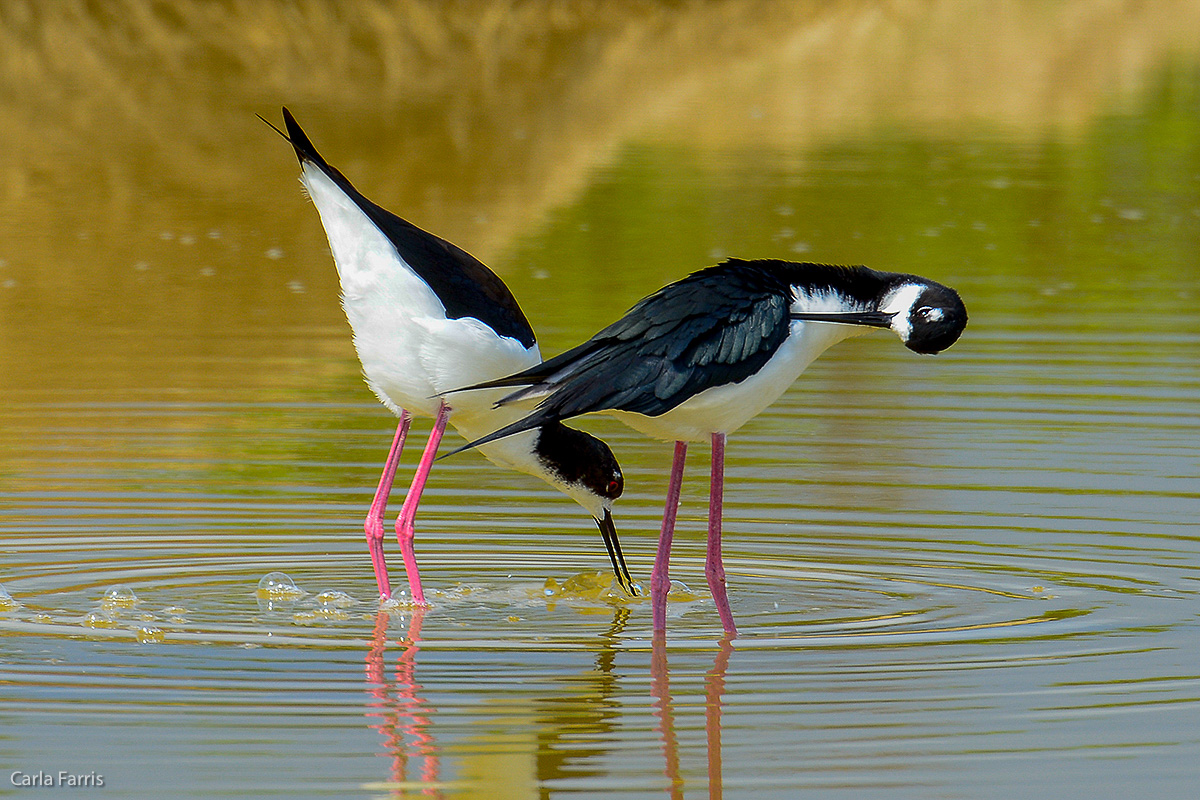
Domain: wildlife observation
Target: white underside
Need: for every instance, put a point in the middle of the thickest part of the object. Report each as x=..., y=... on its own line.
x=724, y=409
x=409, y=350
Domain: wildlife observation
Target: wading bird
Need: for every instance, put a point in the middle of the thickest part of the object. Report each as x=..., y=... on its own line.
x=427, y=317
x=697, y=359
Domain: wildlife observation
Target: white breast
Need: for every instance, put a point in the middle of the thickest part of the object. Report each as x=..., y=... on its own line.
x=724, y=409
x=408, y=348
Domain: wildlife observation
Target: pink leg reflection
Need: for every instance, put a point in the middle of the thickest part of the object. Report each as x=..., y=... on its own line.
x=404, y=715
x=714, y=689
x=661, y=689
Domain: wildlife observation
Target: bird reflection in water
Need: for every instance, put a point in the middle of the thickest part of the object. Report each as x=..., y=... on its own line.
x=714, y=691
x=567, y=721
x=404, y=716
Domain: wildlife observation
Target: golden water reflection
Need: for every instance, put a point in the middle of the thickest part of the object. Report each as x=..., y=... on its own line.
x=527, y=750
x=149, y=213
x=181, y=408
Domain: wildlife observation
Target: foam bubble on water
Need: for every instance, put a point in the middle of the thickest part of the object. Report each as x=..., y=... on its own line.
x=600, y=585
x=680, y=591
x=118, y=597
x=328, y=606
x=278, y=586
x=151, y=635
x=400, y=601
x=99, y=619
x=335, y=599
x=7, y=603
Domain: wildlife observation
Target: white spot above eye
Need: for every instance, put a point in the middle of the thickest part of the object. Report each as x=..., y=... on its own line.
x=900, y=304
x=931, y=314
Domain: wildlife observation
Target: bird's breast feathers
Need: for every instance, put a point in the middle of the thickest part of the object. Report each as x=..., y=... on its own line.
x=727, y=407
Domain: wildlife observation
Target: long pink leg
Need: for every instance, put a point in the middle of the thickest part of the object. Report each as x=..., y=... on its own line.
x=714, y=569
x=660, y=583
x=374, y=523
x=404, y=525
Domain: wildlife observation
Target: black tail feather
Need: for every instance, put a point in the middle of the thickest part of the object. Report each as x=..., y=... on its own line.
x=298, y=139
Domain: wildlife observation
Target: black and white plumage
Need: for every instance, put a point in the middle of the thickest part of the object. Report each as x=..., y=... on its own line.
x=699, y=358
x=427, y=316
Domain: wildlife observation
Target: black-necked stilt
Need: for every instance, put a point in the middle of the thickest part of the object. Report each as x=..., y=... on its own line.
x=427, y=317
x=698, y=358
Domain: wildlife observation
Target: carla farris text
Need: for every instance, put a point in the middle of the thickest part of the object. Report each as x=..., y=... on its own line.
x=60, y=779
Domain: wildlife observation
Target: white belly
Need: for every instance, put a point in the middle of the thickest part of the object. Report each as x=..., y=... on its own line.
x=408, y=348
x=724, y=409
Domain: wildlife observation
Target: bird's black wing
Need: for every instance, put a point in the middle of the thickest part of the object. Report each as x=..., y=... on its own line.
x=465, y=286
x=716, y=327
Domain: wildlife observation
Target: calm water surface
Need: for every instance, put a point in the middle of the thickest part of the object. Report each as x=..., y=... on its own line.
x=970, y=576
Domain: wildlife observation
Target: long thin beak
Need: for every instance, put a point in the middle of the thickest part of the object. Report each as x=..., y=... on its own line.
x=609, y=531
x=872, y=319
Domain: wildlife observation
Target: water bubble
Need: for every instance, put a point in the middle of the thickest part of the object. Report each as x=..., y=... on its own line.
x=99, y=619
x=278, y=586
x=680, y=591
x=589, y=584
x=322, y=614
x=397, y=602
x=335, y=599
x=176, y=614
x=118, y=597
x=275, y=253
x=151, y=635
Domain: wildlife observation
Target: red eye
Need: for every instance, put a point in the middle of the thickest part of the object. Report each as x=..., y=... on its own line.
x=614, y=487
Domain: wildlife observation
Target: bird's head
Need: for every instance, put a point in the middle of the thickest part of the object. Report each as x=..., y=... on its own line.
x=584, y=468
x=928, y=317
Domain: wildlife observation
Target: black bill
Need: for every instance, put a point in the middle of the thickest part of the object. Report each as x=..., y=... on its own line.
x=872, y=319
x=609, y=531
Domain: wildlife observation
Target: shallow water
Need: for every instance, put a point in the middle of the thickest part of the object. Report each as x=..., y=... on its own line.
x=969, y=576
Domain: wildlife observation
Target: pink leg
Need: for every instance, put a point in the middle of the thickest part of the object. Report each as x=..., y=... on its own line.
x=374, y=524
x=714, y=569
x=660, y=583
x=408, y=514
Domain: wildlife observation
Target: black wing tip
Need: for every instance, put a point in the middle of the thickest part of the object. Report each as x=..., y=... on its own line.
x=507, y=382
x=520, y=426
